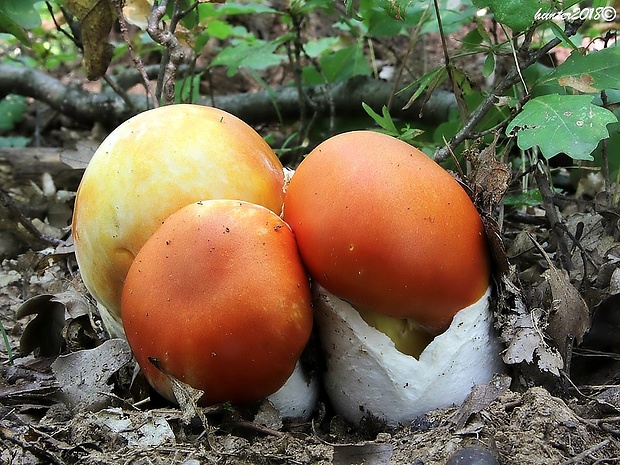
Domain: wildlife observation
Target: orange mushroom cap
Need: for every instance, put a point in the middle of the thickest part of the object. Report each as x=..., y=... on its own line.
x=220, y=298
x=381, y=225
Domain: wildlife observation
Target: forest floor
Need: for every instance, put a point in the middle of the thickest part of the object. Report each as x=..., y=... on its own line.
x=44, y=306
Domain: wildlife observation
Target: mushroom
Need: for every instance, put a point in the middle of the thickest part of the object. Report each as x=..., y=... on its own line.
x=218, y=298
x=395, y=249
x=149, y=167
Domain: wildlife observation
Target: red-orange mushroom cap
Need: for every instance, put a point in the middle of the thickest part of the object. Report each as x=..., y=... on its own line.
x=381, y=225
x=219, y=297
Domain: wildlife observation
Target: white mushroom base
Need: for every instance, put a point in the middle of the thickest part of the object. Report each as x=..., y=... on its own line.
x=366, y=375
x=298, y=397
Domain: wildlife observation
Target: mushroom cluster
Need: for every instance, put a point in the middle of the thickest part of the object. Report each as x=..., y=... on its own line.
x=178, y=237
x=185, y=237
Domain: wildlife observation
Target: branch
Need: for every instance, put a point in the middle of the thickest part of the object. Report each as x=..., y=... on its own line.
x=512, y=77
x=255, y=108
x=7, y=202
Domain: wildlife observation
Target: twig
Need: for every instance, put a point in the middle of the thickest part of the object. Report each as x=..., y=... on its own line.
x=554, y=219
x=587, y=453
x=413, y=39
x=511, y=78
x=137, y=60
x=31, y=446
x=458, y=92
x=174, y=54
x=294, y=49
x=7, y=201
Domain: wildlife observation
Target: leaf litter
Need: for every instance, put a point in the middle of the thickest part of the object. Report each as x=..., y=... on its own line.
x=69, y=395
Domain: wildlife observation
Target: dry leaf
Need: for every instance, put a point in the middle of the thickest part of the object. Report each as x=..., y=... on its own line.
x=186, y=396
x=521, y=331
x=489, y=177
x=137, y=12
x=83, y=376
x=139, y=429
x=582, y=83
x=96, y=20
x=480, y=397
x=487, y=184
x=370, y=453
x=569, y=319
x=45, y=331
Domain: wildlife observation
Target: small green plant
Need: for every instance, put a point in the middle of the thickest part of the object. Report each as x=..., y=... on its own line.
x=385, y=121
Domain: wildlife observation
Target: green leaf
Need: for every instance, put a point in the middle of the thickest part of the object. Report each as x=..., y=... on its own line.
x=187, y=90
x=518, y=15
x=569, y=124
x=22, y=12
x=345, y=63
x=11, y=27
x=429, y=81
x=234, y=8
x=489, y=65
x=385, y=121
x=14, y=142
x=12, y=109
x=317, y=47
x=258, y=55
x=589, y=73
x=530, y=198
x=219, y=29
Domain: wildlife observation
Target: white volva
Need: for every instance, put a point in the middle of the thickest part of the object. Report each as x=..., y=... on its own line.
x=366, y=375
x=299, y=395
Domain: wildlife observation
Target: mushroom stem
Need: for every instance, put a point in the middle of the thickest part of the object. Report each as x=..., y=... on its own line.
x=367, y=375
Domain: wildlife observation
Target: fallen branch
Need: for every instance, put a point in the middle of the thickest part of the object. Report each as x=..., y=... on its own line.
x=7, y=202
x=109, y=109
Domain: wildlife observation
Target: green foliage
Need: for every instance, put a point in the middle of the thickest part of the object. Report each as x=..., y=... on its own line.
x=12, y=109
x=187, y=90
x=385, y=121
x=530, y=198
x=249, y=53
x=515, y=14
x=18, y=16
x=569, y=124
x=589, y=73
x=565, y=110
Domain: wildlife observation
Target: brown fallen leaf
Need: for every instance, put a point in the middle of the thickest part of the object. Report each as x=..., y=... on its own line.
x=480, y=397
x=186, y=396
x=53, y=311
x=568, y=318
x=521, y=330
x=83, y=376
x=96, y=21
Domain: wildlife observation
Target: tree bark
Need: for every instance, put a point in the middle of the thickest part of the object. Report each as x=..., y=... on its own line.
x=340, y=99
